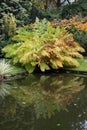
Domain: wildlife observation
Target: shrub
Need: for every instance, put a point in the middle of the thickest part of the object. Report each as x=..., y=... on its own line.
x=19, y=8
x=80, y=36
x=9, y=24
x=41, y=45
x=76, y=22
x=3, y=42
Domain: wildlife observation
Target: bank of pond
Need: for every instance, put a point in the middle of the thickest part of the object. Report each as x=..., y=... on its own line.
x=9, y=72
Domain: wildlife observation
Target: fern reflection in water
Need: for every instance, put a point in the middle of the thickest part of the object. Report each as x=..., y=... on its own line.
x=4, y=89
x=37, y=96
x=46, y=94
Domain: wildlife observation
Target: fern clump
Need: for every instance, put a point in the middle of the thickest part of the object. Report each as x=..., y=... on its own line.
x=41, y=45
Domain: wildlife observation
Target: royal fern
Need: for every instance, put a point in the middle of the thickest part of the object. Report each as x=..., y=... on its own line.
x=41, y=45
x=74, y=22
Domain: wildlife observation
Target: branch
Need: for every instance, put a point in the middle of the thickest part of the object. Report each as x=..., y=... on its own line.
x=68, y=2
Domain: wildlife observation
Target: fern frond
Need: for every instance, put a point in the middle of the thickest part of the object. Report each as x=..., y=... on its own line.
x=43, y=46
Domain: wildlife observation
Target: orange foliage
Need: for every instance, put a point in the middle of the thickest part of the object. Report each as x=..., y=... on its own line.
x=82, y=26
x=77, y=22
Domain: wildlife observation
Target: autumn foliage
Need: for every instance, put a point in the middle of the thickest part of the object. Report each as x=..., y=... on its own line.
x=43, y=46
x=76, y=22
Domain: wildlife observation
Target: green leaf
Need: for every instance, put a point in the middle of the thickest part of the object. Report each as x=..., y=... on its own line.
x=53, y=64
x=44, y=66
x=29, y=68
x=70, y=62
x=45, y=53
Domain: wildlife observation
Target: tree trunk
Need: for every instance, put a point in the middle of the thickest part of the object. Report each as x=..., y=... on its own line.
x=58, y=3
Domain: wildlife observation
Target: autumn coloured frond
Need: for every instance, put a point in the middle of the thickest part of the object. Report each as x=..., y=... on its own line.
x=75, y=21
x=40, y=45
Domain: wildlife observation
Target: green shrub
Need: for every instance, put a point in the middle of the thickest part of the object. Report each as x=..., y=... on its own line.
x=8, y=30
x=40, y=45
x=80, y=37
x=3, y=43
x=19, y=8
x=9, y=24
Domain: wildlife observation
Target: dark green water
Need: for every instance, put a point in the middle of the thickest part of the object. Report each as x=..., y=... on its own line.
x=44, y=102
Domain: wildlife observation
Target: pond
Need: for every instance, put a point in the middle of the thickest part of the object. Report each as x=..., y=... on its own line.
x=44, y=102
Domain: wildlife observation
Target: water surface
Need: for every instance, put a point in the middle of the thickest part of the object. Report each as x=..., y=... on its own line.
x=44, y=102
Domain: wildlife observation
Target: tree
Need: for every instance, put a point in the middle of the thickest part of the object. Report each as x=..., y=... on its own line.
x=57, y=3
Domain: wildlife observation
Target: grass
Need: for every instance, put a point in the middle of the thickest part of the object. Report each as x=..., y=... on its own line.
x=7, y=69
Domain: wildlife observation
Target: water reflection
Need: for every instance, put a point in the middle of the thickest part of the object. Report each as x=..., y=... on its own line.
x=46, y=93
x=38, y=98
x=4, y=89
